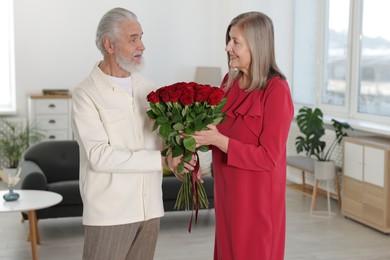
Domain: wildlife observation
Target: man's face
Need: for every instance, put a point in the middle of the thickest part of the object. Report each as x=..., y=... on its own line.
x=129, y=47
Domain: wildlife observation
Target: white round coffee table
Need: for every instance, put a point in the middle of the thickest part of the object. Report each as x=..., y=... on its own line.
x=28, y=202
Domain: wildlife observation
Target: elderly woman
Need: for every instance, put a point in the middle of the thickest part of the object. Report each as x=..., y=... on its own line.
x=249, y=149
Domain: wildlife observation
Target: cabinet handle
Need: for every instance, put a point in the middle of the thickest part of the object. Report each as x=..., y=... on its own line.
x=52, y=121
x=52, y=106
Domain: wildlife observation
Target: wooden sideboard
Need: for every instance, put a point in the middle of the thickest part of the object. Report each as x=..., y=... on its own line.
x=366, y=181
x=52, y=114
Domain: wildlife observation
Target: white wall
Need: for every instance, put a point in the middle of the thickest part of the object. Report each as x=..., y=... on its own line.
x=54, y=40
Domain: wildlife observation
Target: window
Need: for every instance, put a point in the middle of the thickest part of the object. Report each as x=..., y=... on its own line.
x=374, y=66
x=335, y=67
x=305, y=42
x=7, y=82
x=342, y=57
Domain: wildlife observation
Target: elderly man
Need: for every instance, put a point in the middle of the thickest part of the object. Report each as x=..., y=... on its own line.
x=120, y=159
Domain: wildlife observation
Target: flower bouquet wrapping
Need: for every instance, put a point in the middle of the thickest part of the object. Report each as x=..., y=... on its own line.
x=184, y=108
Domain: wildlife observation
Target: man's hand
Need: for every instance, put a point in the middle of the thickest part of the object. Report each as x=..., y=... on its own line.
x=173, y=163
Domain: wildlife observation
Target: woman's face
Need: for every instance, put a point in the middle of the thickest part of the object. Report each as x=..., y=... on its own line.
x=239, y=53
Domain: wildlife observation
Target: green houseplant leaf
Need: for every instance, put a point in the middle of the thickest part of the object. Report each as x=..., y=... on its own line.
x=311, y=125
x=15, y=138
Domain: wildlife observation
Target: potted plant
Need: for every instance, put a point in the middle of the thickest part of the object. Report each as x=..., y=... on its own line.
x=311, y=125
x=15, y=138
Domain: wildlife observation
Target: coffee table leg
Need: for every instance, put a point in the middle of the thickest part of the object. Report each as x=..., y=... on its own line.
x=37, y=233
x=32, y=221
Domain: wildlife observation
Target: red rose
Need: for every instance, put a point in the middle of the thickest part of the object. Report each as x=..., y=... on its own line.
x=202, y=93
x=159, y=91
x=187, y=87
x=187, y=97
x=177, y=85
x=192, y=84
x=153, y=97
x=216, y=96
x=164, y=95
x=175, y=95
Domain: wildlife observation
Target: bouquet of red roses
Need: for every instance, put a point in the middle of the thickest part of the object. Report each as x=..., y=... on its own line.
x=186, y=108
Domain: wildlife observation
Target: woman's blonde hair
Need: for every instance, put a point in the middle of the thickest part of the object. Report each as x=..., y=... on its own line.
x=258, y=31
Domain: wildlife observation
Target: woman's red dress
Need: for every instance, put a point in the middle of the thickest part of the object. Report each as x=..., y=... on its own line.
x=250, y=179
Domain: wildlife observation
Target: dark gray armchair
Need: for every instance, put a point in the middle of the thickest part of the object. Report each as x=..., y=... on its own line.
x=54, y=166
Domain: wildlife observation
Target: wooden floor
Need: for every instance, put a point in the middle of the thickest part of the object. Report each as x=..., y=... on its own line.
x=308, y=238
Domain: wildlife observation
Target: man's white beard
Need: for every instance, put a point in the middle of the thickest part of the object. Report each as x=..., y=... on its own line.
x=127, y=64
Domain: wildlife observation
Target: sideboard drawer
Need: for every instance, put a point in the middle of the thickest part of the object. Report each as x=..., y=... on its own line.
x=52, y=122
x=51, y=106
x=56, y=135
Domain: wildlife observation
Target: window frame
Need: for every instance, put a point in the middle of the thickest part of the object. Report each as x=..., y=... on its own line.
x=10, y=108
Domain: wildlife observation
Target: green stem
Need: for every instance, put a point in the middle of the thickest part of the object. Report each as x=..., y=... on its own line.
x=186, y=199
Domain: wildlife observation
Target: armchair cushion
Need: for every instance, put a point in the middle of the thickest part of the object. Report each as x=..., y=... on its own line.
x=68, y=189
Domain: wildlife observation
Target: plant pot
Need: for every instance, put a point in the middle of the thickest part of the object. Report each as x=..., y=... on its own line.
x=324, y=170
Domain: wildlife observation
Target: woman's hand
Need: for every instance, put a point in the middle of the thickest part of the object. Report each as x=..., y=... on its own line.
x=211, y=136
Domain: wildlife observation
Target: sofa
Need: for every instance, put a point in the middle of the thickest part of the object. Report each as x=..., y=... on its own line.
x=54, y=166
